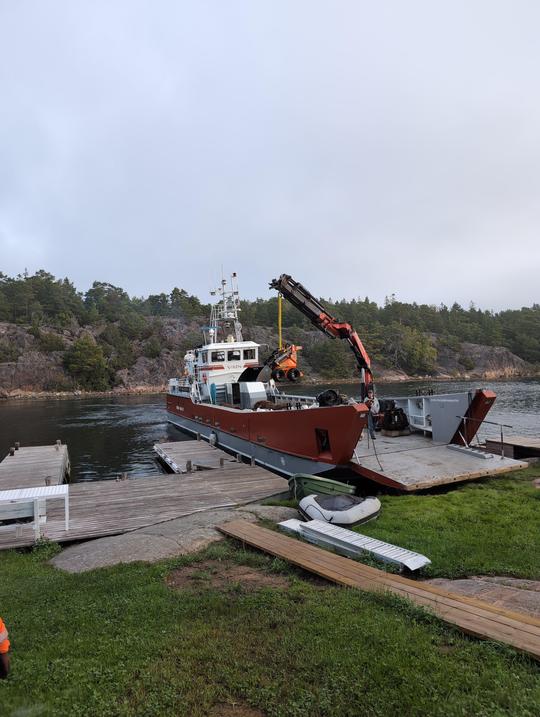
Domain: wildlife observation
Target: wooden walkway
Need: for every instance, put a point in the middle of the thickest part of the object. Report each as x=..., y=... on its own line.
x=515, y=446
x=31, y=467
x=99, y=508
x=472, y=616
x=184, y=456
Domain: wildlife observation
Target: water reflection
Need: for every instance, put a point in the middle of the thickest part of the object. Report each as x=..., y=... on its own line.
x=106, y=436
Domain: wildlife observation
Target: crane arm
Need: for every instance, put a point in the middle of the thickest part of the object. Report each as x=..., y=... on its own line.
x=304, y=301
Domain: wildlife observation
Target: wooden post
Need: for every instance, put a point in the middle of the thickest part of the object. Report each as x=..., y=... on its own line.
x=17, y=445
x=12, y=451
x=239, y=458
x=198, y=436
x=221, y=462
x=48, y=480
x=252, y=461
x=188, y=466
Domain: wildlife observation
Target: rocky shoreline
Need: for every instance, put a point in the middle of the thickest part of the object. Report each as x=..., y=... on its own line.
x=32, y=364
x=160, y=389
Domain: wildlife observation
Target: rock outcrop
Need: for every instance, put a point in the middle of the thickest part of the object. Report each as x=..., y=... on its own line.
x=27, y=368
x=479, y=361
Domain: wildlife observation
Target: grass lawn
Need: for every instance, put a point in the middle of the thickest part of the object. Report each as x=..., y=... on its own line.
x=119, y=641
x=490, y=527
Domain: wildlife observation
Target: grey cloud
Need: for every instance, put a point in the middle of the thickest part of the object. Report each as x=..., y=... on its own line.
x=367, y=150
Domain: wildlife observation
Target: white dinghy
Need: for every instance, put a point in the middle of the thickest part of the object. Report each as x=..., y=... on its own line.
x=345, y=510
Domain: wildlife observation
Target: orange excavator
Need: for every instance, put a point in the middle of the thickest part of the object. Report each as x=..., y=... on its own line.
x=283, y=361
x=304, y=301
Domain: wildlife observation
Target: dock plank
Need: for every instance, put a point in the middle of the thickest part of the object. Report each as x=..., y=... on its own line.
x=101, y=508
x=30, y=466
x=199, y=453
x=471, y=615
x=515, y=446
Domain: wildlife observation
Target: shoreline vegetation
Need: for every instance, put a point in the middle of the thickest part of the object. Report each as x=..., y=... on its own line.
x=56, y=340
x=160, y=390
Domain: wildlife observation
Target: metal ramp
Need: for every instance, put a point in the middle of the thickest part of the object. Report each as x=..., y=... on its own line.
x=347, y=542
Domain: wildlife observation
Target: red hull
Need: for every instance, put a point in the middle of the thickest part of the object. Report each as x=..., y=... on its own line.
x=296, y=432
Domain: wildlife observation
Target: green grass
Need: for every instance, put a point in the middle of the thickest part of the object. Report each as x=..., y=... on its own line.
x=120, y=642
x=490, y=527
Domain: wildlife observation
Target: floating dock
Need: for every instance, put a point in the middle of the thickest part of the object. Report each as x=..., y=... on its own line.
x=34, y=466
x=100, y=508
x=415, y=462
x=515, y=446
x=182, y=457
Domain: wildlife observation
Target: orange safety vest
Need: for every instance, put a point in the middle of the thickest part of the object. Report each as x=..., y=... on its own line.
x=4, y=642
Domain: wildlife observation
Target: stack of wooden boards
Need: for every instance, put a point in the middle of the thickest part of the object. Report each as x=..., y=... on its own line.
x=473, y=616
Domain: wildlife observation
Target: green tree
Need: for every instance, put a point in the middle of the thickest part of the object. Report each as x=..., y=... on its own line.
x=86, y=363
x=410, y=349
x=152, y=347
x=49, y=342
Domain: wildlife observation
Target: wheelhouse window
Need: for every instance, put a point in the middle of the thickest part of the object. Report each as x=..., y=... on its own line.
x=218, y=356
x=204, y=357
x=249, y=354
x=233, y=355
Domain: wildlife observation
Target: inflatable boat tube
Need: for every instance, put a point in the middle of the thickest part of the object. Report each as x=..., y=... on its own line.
x=346, y=510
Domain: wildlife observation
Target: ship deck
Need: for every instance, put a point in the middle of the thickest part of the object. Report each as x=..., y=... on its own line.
x=414, y=462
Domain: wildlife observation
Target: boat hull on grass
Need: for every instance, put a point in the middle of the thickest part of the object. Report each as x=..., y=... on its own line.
x=303, y=484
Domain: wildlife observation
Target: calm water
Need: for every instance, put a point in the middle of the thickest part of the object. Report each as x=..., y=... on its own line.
x=108, y=436
x=105, y=436
x=517, y=404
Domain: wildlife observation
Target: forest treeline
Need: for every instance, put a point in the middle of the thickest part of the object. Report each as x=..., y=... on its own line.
x=397, y=334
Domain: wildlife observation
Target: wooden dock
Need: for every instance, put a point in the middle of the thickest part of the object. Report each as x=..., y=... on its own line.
x=35, y=466
x=515, y=446
x=185, y=456
x=469, y=614
x=99, y=508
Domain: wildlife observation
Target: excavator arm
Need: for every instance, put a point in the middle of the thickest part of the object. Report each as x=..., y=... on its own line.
x=304, y=301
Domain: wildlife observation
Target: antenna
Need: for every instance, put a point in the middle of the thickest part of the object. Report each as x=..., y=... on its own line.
x=224, y=315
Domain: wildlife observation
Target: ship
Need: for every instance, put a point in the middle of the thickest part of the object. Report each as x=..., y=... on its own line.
x=228, y=396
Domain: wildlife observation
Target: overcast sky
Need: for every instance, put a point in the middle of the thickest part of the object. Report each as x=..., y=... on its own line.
x=364, y=148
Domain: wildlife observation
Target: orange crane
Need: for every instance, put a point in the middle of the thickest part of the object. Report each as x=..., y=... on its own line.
x=304, y=301
x=283, y=361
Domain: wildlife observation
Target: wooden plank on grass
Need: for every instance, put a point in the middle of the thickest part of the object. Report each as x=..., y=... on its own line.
x=472, y=616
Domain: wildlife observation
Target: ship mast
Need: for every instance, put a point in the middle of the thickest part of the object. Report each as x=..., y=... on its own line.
x=224, y=315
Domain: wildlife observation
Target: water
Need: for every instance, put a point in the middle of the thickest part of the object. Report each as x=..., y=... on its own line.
x=105, y=436
x=517, y=404
x=108, y=436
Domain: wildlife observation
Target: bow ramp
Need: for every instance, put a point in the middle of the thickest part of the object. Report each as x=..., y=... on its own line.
x=414, y=462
